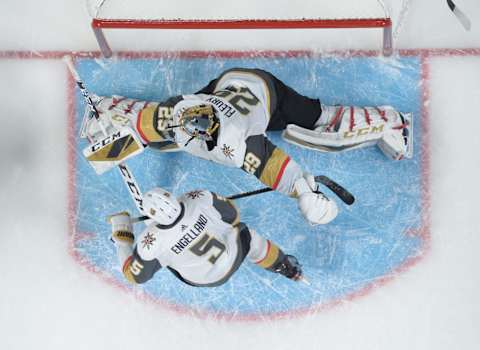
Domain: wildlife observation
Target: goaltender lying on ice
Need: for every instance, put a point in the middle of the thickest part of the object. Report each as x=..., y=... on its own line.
x=198, y=237
x=226, y=122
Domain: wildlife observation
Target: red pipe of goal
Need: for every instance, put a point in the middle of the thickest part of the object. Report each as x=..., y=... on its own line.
x=99, y=24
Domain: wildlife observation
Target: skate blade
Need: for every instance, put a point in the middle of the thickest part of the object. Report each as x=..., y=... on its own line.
x=304, y=280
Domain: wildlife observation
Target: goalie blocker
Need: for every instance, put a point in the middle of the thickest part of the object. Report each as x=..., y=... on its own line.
x=113, y=149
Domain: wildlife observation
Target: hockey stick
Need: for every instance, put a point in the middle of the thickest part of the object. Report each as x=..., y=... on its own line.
x=126, y=174
x=339, y=190
x=462, y=17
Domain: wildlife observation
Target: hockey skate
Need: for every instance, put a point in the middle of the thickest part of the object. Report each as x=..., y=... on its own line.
x=397, y=143
x=290, y=268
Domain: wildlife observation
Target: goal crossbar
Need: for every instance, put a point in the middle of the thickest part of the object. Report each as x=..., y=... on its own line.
x=99, y=24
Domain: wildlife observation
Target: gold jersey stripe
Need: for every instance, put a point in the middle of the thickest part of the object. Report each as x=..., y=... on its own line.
x=145, y=125
x=126, y=270
x=274, y=167
x=271, y=257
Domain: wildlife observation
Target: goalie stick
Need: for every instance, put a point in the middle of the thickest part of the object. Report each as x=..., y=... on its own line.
x=339, y=190
x=462, y=17
x=126, y=174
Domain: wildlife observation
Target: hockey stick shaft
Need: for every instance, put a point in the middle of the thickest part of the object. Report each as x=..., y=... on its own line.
x=461, y=16
x=339, y=190
x=127, y=175
x=86, y=95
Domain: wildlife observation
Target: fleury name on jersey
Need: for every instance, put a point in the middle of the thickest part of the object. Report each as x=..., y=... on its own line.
x=198, y=237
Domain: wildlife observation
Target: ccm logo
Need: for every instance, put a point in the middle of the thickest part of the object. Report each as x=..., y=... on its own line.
x=102, y=143
x=363, y=131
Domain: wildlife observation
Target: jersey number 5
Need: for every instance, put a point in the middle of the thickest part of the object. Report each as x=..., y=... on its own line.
x=205, y=244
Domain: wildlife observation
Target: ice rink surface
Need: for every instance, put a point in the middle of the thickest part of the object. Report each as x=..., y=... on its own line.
x=57, y=260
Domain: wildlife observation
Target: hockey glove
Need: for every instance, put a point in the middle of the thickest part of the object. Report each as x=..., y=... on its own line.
x=122, y=229
x=313, y=204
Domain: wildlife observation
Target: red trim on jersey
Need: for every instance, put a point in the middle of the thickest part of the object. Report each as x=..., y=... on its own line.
x=335, y=119
x=142, y=135
x=367, y=116
x=280, y=173
x=352, y=117
x=266, y=254
x=127, y=262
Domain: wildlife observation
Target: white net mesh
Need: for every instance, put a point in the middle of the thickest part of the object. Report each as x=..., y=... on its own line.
x=140, y=12
x=245, y=9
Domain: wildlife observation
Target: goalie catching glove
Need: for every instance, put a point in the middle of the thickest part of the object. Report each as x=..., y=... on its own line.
x=115, y=113
x=313, y=204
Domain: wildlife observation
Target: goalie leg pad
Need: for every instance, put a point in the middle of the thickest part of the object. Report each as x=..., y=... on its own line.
x=321, y=141
x=346, y=128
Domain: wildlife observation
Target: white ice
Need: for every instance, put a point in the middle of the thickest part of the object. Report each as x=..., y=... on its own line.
x=48, y=301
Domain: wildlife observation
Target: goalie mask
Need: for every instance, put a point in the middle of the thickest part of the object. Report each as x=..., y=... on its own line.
x=199, y=121
x=161, y=206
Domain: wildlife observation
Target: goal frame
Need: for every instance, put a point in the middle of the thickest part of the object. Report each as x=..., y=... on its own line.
x=98, y=25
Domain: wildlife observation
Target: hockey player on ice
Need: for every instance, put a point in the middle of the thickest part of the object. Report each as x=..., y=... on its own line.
x=227, y=120
x=198, y=237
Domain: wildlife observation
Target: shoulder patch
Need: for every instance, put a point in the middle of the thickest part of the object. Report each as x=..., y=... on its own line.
x=195, y=194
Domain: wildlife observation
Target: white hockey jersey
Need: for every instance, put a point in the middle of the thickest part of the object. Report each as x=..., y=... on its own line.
x=240, y=112
x=203, y=247
x=242, y=103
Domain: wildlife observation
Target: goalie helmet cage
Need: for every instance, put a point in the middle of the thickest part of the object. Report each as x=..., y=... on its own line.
x=151, y=14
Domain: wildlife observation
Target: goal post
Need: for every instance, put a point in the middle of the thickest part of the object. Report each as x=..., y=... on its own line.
x=247, y=14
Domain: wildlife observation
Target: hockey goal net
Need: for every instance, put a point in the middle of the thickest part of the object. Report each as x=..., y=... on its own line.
x=219, y=15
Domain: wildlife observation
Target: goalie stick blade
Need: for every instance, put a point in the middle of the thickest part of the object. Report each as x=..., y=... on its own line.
x=339, y=190
x=462, y=17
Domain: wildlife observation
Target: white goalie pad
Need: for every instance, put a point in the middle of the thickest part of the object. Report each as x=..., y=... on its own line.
x=320, y=141
x=346, y=128
x=113, y=149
